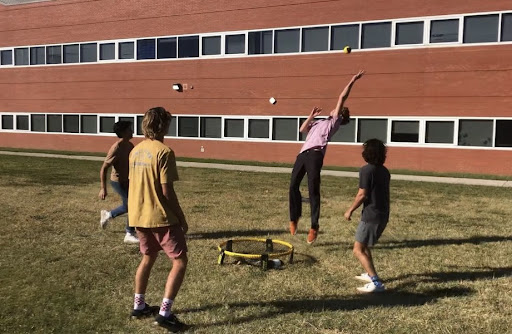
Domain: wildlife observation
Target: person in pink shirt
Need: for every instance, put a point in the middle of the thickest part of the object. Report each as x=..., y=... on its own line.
x=311, y=157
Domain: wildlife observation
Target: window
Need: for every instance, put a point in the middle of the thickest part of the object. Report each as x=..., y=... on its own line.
x=188, y=47
x=146, y=49
x=107, y=51
x=7, y=122
x=211, y=45
x=258, y=128
x=287, y=40
x=54, y=123
x=376, y=35
x=139, y=125
x=235, y=44
x=107, y=124
x=126, y=50
x=346, y=133
x=439, y=132
x=302, y=136
x=444, y=31
x=71, y=123
x=188, y=126
x=409, y=33
x=211, y=127
x=6, y=57
x=88, y=53
x=315, y=39
x=172, y=127
x=22, y=122
x=506, y=27
x=260, y=42
x=88, y=124
x=70, y=53
x=503, y=133
x=37, y=55
x=38, y=122
x=342, y=36
x=166, y=47
x=21, y=56
x=284, y=129
x=405, y=131
x=54, y=54
x=475, y=132
x=372, y=128
x=481, y=28
x=234, y=128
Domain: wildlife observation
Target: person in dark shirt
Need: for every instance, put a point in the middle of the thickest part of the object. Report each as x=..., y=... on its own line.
x=374, y=195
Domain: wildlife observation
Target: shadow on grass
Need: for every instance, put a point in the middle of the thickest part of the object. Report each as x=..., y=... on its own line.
x=234, y=234
x=442, y=242
x=391, y=298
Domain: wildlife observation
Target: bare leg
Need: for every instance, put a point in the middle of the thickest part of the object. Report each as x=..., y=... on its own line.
x=175, y=278
x=364, y=255
x=143, y=271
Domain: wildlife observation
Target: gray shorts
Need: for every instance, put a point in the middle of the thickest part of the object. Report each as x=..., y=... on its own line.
x=369, y=234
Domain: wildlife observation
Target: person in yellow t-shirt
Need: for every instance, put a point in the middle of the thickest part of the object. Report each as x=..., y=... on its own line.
x=155, y=212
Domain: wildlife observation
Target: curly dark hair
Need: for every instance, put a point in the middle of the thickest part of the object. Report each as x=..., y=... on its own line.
x=374, y=152
x=120, y=127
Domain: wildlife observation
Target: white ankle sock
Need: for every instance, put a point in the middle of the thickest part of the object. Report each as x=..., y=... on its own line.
x=165, y=308
x=139, y=301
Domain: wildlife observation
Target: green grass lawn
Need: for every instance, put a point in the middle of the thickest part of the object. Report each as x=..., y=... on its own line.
x=445, y=257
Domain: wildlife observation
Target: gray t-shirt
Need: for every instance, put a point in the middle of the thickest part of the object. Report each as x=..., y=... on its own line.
x=375, y=179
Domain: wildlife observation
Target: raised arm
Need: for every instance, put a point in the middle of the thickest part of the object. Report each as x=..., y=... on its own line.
x=304, y=128
x=344, y=95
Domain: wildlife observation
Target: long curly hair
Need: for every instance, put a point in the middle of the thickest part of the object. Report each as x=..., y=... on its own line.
x=374, y=152
x=156, y=122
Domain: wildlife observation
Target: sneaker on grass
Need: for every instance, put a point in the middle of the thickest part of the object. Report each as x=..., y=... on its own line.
x=171, y=323
x=105, y=218
x=147, y=311
x=130, y=239
x=372, y=287
x=364, y=277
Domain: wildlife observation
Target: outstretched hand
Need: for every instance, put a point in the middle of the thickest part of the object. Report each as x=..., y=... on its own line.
x=315, y=112
x=358, y=76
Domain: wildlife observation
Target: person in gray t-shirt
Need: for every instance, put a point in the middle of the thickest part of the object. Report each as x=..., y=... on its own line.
x=374, y=195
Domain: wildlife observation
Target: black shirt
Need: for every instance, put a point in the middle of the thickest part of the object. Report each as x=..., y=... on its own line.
x=375, y=180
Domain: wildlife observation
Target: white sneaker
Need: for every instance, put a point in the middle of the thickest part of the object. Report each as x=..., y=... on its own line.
x=131, y=239
x=371, y=288
x=364, y=277
x=105, y=217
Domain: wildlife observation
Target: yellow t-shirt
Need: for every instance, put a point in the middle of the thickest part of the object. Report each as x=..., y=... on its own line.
x=151, y=164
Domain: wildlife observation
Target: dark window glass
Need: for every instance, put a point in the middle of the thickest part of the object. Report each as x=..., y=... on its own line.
x=234, y=128
x=89, y=124
x=211, y=127
x=166, y=47
x=37, y=122
x=475, y=133
x=258, y=128
x=376, y=35
x=108, y=51
x=372, y=128
x=503, y=133
x=139, y=125
x=22, y=122
x=211, y=45
x=342, y=36
x=37, y=55
x=405, y=131
x=71, y=123
x=439, y=132
x=409, y=33
x=70, y=53
x=315, y=39
x=54, y=123
x=188, y=126
x=302, y=136
x=172, y=127
x=88, y=53
x=188, y=47
x=7, y=122
x=235, y=44
x=346, y=133
x=131, y=120
x=126, y=50
x=444, y=31
x=21, y=56
x=6, y=57
x=146, y=49
x=260, y=42
x=107, y=124
x=284, y=129
x=54, y=54
x=481, y=28
x=286, y=41
x=506, y=27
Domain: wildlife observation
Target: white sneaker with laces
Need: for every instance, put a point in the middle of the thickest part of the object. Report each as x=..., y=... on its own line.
x=371, y=288
x=131, y=239
x=364, y=277
x=105, y=217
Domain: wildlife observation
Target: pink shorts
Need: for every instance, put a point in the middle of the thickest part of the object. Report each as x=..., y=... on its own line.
x=170, y=239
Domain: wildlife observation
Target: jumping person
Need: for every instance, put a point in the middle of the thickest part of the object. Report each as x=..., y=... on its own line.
x=155, y=212
x=374, y=194
x=117, y=158
x=311, y=157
